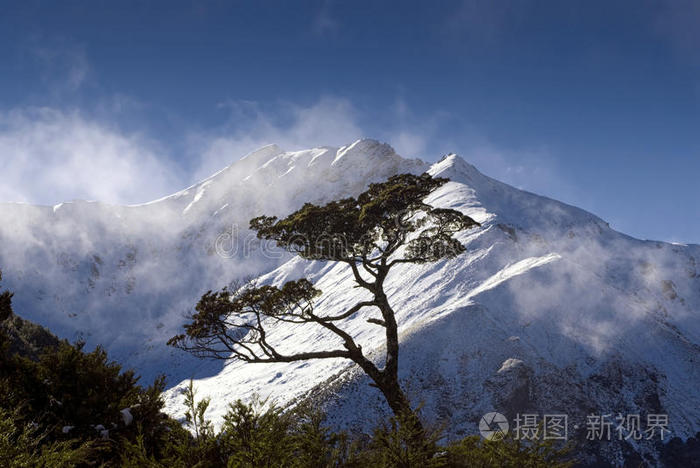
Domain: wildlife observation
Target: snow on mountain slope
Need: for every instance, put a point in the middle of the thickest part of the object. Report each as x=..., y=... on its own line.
x=549, y=310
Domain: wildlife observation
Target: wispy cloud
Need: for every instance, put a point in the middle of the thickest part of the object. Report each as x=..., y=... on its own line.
x=324, y=23
x=64, y=66
x=50, y=155
x=535, y=169
x=330, y=121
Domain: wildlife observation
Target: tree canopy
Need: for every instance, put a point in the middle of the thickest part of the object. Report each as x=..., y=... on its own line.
x=372, y=227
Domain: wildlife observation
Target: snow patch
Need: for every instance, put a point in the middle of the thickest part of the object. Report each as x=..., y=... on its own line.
x=509, y=364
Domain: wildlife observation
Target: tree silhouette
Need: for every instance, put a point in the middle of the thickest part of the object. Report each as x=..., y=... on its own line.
x=386, y=225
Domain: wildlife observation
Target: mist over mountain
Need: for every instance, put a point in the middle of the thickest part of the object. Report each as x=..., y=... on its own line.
x=549, y=310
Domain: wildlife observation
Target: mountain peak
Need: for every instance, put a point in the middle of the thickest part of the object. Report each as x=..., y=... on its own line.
x=367, y=145
x=454, y=167
x=367, y=149
x=451, y=165
x=261, y=154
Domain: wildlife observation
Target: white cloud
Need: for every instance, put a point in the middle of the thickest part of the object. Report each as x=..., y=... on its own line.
x=328, y=122
x=333, y=121
x=48, y=156
x=62, y=65
x=532, y=169
x=409, y=143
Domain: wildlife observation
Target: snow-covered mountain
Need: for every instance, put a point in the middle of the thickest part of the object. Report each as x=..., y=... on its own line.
x=549, y=311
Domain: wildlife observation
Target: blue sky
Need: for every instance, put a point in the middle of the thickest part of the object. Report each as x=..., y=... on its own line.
x=594, y=103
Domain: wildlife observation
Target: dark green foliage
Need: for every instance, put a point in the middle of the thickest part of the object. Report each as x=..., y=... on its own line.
x=475, y=452
x=205, y=449
x=62, y=406
x=23, y=445
x=194, y=416
x=178, y=449
x=27, y=339
x=352, y=229
x=260, y=434
x=253, y=437
x=69, y=387
x=679, y=453
x=222, y=326
x=402, y=443
x=22, y=337
x=316, y=445
x=70, y=394
x=5, y=303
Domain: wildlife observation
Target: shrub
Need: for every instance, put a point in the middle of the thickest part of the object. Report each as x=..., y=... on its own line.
x=475, y=452
x=23, y=445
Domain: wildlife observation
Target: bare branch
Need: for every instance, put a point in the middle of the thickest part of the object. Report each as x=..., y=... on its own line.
x=349, y=312
x=368, y=268
x=375, y=321
x=358, y=277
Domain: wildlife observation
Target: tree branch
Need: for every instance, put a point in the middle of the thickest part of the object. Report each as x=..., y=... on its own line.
x=358, y=277
x=349, y=312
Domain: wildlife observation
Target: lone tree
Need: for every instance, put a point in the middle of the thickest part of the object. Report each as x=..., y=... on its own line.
x=384, y=226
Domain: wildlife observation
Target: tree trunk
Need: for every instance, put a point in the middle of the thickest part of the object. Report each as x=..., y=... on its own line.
x=389, y=384
x=411, y=430
x=398, y=402
x=387, y=379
